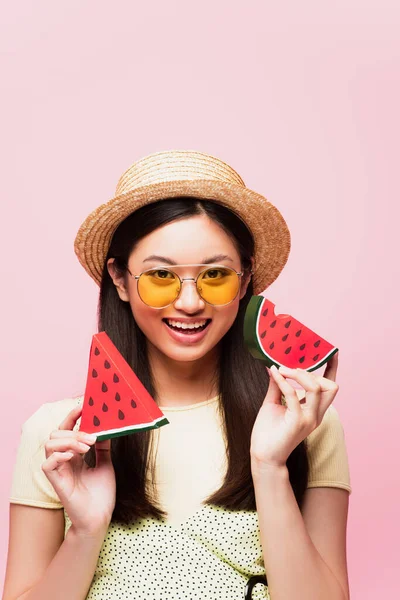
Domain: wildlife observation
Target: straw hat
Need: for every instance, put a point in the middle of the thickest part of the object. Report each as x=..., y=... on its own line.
x=187, y=173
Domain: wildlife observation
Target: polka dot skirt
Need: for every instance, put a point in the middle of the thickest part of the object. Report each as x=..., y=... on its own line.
x=210, y=556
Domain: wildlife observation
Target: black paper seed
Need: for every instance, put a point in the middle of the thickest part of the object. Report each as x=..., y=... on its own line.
x=117, y=397
x=91, y=401
x=285, y=337
x=107, y=364
x=301, y=360
x=121, y=415
x=302, y=347
x=104, y=388
x=298, y=333
x=316, y=357
x=288, y=350
x=133, y=404
x=271, y=346
x=263, y=334
x=104, y=408
x=317, y=343
x=287, y=324
x=265, y=312
x=115, y=378
x=96, y=351
x=94, y=373
x=273, y=324
x=96, y=421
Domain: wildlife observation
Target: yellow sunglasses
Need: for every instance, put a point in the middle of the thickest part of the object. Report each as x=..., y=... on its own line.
x=160, y=287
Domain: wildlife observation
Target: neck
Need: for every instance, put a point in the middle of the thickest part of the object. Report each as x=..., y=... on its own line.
x=179, y=383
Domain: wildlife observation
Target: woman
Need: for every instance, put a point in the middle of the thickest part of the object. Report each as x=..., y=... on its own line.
x=239, y=487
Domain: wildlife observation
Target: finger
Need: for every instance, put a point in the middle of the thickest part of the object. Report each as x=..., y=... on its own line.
x=71, y=418
x=54, y=462
x=274, y=394
x=332, y=367
x=309, y=381
x=52, y=467
x=56, y=459
x=88, y=438
x=319, y=391
x=65, y=445
x=291, y=398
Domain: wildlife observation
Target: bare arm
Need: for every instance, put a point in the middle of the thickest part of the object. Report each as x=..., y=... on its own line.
x=305, y=556
x=42, y=565
x=40, y=562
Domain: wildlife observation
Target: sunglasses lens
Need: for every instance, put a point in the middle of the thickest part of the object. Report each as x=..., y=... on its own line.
x=218, y=285
x=158, y=288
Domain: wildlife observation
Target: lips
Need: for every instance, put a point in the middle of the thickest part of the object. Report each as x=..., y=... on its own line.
x=187, y=330
x=187, y=337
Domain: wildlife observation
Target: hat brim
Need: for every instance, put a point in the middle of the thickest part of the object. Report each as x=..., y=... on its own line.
x=270, y=231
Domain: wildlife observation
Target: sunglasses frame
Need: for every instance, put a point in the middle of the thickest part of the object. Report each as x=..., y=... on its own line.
x=182, y=279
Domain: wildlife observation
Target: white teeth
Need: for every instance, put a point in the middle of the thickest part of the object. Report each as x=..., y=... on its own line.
x=186, y=325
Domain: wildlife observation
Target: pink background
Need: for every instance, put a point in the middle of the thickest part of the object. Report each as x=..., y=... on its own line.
x=302, y=98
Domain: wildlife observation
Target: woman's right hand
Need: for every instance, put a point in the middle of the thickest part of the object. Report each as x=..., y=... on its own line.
x=87, y=494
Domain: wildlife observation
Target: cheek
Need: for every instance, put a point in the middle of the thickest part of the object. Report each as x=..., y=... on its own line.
x=144, y=316
x=223, y=320
x=228, y=318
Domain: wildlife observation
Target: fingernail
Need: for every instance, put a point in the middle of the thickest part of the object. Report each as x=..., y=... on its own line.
x=90, y=437
x=285, y=369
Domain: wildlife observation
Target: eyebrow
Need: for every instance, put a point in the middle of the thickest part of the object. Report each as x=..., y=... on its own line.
x=206, y=261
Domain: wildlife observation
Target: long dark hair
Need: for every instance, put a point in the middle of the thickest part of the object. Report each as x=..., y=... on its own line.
x=242, y=380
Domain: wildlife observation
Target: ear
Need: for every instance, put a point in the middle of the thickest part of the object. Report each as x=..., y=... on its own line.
x=118, y=280
x=246, y=280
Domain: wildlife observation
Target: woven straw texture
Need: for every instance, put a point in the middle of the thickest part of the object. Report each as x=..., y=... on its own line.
x=175, y=173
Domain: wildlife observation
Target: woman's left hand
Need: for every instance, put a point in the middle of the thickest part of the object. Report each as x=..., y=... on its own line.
x=278, y=429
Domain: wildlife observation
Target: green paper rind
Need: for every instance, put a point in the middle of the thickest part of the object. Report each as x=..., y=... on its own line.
x=113, y=433
x=250, y=328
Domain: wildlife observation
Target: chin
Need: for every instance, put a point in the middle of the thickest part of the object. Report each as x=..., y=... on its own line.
x=184, y=354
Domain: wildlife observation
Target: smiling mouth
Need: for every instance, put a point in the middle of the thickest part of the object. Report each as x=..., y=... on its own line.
x=187, y=330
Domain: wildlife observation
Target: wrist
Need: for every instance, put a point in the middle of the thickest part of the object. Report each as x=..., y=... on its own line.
x=95, y=534
x=260, y=468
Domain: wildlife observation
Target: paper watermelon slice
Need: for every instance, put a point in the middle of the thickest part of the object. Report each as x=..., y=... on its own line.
x=116, y=402
x=282, y=339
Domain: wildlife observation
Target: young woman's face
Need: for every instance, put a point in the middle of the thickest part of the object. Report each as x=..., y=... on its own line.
x=188, y=241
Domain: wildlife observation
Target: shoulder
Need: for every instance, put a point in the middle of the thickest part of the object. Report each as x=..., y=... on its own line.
x=49, y=416
x=30, y=485
x=329, y=429
x=327, y=453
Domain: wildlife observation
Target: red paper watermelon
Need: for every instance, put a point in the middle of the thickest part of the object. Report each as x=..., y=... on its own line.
x=282, y=339
x=116, y=402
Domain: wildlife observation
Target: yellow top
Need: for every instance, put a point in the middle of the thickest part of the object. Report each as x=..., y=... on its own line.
x=200, y=550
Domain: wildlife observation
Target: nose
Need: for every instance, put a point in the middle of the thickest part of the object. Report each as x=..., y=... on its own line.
x=189, y=299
